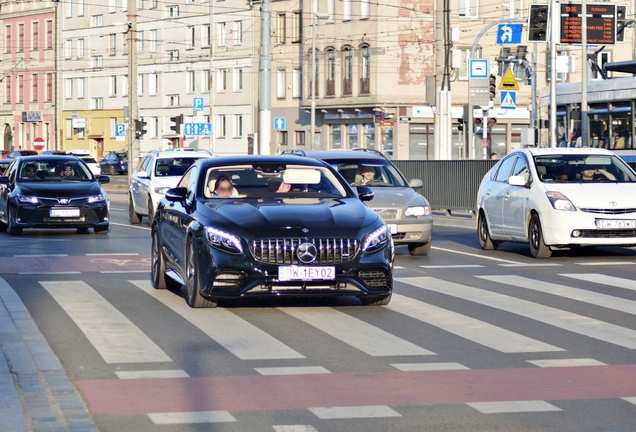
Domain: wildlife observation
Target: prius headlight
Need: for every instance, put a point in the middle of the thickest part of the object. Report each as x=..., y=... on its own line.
x=560, y=201
x=376, y=240
x=28, y=199
x=96, y=198
x=222, y=240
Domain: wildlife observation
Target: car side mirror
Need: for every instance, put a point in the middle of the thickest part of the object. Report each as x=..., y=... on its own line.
x=142, y=174
x=416, y=183
x=103, y=179
x=517, y=180
x=365, y=193
x=177, y=194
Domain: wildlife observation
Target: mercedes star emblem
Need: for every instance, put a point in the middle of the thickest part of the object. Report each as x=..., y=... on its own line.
x=307, y=253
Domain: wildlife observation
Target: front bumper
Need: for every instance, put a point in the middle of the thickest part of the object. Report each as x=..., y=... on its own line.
x=39, y=216
x=579, y=228
x=411, y=231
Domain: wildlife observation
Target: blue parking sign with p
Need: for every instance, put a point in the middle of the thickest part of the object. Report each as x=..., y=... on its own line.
x=197, y=104
x=120, y=129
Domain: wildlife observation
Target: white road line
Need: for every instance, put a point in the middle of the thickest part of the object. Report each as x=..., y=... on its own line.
x=357, y=333
x=141, y=227
x=566, y=362
x=300, y=370
x=605, y=263
x=602, y=279
x=575, y=323
x=452, y=266
x=513, y=407
x=191, y=417
x=244, y=340
x=294, y=428
x=429, y=366
x=39, y=256
x=354, y=412
x=469, y=328
x=481, y=256
x=113, y=335
x=176, y=373
x=591, y=297
x=112, y=254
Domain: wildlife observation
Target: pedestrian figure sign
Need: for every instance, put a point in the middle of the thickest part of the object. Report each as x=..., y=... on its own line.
x=508, y=100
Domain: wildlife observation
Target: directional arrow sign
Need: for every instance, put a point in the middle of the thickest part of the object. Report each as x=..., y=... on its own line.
x=280, y=123
x=509, y=34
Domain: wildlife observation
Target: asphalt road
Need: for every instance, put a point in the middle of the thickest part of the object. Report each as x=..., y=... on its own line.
x=472, y=340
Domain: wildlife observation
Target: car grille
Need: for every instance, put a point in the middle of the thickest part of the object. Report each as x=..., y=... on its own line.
x=72, y=202
x=387, y=213
x=374, y=278
x=612, y=211
x=283, y=251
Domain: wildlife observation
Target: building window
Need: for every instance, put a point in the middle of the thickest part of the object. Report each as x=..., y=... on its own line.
x=296, y=87
x=112, y=49
x=281, y=85
x=98, y=61
x=463, y=65
x=330, y=83
x=7, y=39
x=331, y=10
x=35, y=35
x=49, y=87
x=237, y=32
x=190, y=81
x=97, y=21
x=205, y=81
x=237, y=80
x=221, y=34
x=113, y=85
x=49, y=34
x=299, y=138
x=20, y=97
x=191, y=37
x=20, y=37
x=80, y=48
x=365, y=9
x=295, y=26
x=112, y=6
x=347, y=71
x=173, y=11
x=172, y=55
x=97, y=103
x=68, y=48
x=81, y=88
x=152, y=84
x=281, y=30
x=238, y=125
x=220, y=126
x=347, y=10
x=80, y=7
x=140, y=84
x=69, y=129
x=173, y=100
x=141, y=41
x=124, y=85
x=35, y=80
x=205, y=36
x=8, y=90
x=154, y=40
x=365, y=72
x=221, y=80
x=283, y=139
x=468, y=8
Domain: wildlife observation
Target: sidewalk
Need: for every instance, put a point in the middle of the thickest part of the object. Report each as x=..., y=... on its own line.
x=35, y=392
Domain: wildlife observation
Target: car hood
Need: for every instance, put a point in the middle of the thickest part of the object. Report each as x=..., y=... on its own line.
x=598, y=195
x=319, y=216
x=59, y=189
x=395, y=197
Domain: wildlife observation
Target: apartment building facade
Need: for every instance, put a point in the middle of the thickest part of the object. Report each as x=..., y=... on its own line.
x=375, y=79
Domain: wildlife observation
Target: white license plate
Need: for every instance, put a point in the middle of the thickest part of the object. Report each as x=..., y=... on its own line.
x=306, y=273
x=615, y=223
x=65, y=212
x=392, y=228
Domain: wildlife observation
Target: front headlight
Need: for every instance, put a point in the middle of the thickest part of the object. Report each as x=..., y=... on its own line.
x=96, y=198
x=224, y=241
x=560, y=201
x=418, y=211
x=28, y=199
x=161, y=190
x=376, y=240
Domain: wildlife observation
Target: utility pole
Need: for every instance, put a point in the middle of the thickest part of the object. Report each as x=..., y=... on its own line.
x=442, y=135
x=57, y=128
x=265, y=82
x=133, y=109
x=585, y=133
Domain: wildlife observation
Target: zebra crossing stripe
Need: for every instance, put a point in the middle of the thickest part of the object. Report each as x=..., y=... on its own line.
x=241, y=338
x=469, y=328
x=113, y=335
x=602, y=279
x=575, y=323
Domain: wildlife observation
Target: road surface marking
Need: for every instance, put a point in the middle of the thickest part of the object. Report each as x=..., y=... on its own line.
x=352, y=331
x=575, y=323
x=428, y=366
x=350, y=412
x=602, y=279
x=469, y=328
x=451, y=266
x=113, y=335
x=292, y=370
x=176, y=373
x=566, y=362
x=191, y=417
x=294, y=428
x=513, y=407
x=481, y=256
x=244, y=340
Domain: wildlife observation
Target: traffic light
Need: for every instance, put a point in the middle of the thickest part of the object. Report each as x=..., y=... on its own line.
x=460, y=126
x=139, y=128
x=538, y=19
x=492, y=87
x=177, y=122
x=621, y=23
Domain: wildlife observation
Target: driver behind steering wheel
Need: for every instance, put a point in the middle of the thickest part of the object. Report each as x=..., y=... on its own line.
x=368, y=175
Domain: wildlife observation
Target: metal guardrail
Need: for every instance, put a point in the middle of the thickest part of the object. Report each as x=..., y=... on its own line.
x=448, y=184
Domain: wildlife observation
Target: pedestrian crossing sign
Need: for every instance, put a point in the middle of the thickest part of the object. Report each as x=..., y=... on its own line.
x=508, y=100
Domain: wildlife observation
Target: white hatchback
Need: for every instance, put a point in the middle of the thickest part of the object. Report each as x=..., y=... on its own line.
x=558, y=198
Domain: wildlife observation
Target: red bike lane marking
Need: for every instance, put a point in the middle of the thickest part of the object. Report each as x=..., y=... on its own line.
x=255, y=393
x=80, y=263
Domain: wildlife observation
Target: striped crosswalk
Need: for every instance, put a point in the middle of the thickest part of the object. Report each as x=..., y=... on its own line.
x=393, y=336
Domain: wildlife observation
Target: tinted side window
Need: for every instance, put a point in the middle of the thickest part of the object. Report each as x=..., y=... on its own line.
x=521, y=168
x=505, y=169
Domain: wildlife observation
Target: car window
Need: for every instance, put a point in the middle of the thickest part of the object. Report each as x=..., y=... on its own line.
x=173, y=167
x=88, y=159
x=521, y=168
x=505, y=169
x=569, y=168
x=385, y=174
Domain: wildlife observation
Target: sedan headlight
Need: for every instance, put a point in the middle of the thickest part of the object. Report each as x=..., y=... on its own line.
x=418, y=211
x=224, y=241
x=28, y=199
x=96, y=198
x=376, y=240
x=560, y=201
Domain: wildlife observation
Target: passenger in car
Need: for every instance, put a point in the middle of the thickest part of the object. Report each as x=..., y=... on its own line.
x=561, y=173
x=591, y=173
x=223, y=187
x=31, y=171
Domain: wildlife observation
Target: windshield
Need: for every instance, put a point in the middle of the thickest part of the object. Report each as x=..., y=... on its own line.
x=292, y=181
x=54, y=171
x=370, y=172
x=583, y=168
x=177, y=166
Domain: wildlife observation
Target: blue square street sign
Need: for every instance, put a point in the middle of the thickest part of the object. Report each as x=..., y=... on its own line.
x=478, y=68
x=120, y=130
x=280, y=123
x=508, y=100
x=197, y=104
x=197, y=129
x=509, y=34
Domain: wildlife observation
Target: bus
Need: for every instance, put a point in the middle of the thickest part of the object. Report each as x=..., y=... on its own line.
x=612, y=104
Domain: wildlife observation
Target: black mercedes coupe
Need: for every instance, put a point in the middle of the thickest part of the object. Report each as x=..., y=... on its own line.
x=290, y=227
x=52, y=191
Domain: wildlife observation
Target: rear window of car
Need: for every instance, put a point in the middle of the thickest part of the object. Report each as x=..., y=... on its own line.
x=89, y=160
x=168, y=167
x=386, y=175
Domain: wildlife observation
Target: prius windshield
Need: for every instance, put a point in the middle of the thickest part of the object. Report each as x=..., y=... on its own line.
x=583, y=168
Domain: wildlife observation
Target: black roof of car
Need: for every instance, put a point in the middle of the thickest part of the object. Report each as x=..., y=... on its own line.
x=47, y=158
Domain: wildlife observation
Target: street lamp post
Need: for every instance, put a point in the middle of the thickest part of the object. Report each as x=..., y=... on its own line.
x=314, y=22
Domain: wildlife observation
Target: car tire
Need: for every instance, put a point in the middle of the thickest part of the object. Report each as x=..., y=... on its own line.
x=419, y=248
x=538, y=248
x=193, y=295
x=151, y=211
x=158, y=266
x=133, y=216
x=382, y=300
x=102, y=229
x=112, y=171
x=483, y=233
x=12, y=229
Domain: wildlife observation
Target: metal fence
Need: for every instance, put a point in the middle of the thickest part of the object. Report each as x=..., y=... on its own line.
x=448, y=184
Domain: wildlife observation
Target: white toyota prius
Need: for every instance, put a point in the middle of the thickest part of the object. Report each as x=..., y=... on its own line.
x=557, y=199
